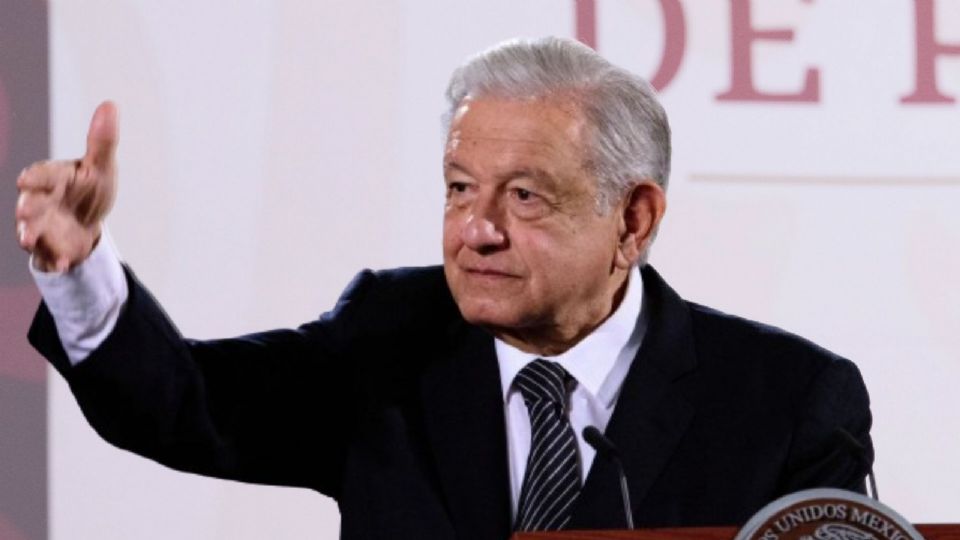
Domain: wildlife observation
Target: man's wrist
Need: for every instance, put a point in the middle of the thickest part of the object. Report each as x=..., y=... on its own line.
x=85, y=301
x=41, y=262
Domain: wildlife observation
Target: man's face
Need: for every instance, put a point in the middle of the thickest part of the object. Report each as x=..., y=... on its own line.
x=525, y=251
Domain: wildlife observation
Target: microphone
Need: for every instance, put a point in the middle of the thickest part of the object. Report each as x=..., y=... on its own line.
x=856, y=446
x=605, y=448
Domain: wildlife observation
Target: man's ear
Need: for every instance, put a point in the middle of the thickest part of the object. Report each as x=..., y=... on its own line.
x=640, y=212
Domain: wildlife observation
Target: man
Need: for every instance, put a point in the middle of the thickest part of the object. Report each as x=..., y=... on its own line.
x=449, y=403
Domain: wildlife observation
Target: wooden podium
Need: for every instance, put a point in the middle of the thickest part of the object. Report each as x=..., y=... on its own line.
x=949, y=531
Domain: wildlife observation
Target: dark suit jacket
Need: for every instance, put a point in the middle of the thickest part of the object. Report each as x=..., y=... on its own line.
x=391, y=404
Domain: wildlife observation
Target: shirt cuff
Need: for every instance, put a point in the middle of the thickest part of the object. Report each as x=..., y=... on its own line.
x=86, y=300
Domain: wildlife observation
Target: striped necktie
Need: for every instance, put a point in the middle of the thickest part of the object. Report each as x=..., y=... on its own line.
x=552, y=479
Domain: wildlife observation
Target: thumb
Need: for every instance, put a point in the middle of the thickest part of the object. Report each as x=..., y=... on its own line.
x=103, y=136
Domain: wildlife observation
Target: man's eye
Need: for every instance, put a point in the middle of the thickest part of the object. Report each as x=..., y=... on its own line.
x=456, y=187
x=459, y=193
x=524, y=195
x=528, y=204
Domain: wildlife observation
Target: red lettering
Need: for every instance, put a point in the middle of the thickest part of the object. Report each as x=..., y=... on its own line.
x=743, y=35
x=928, y=49
x=586, y=16
x=674, y=36
x=674, y=43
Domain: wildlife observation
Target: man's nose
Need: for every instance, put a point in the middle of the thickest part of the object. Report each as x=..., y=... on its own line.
x=482, y=230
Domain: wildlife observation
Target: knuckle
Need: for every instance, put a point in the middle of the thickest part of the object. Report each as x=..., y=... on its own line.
x=28, y=204
x=31, y=175
x=25, y=213
x=37, y=167
x=24, y=178
x=24, y=238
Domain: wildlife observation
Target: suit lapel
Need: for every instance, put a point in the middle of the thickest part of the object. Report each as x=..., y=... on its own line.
x=651, y=414
x=463, y=408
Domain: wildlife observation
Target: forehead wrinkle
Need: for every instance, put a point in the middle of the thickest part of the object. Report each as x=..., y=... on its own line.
x=461, y=147
x=460, y=138
x=506, y=139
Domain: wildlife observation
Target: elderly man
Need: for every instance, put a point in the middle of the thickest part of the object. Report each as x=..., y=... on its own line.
x=449, y=402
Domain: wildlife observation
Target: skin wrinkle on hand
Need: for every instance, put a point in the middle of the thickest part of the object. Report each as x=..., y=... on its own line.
x=62, y=203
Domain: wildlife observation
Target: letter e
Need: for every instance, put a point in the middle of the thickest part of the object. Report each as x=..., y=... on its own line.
x=743, y=35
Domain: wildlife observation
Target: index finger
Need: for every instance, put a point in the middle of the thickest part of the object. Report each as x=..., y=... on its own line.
x=45, y=176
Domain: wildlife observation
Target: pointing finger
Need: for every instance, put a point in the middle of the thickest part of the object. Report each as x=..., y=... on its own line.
x=46, y=176
x=34, y=177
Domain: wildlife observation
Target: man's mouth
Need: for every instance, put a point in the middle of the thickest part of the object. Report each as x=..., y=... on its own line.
x=490, y=272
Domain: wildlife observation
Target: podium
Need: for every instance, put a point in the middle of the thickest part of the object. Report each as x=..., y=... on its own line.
x=946, y=531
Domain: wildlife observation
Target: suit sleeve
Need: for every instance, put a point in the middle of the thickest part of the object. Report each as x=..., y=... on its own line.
x=274, y=407
x=821, y=455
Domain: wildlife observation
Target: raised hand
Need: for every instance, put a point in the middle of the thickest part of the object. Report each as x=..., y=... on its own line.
x=62, y=204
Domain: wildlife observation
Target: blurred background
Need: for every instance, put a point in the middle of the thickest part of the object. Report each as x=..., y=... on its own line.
x=270, y=150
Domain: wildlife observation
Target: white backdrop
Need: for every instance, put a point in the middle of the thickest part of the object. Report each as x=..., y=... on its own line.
x=271, y=150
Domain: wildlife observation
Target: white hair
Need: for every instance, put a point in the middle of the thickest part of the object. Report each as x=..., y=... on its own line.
x=630, y=139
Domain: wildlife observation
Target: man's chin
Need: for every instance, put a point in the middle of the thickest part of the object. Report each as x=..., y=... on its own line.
x=489, y=315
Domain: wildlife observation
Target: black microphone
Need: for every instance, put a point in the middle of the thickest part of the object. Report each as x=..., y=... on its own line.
x=605, y=448
x=856, y=446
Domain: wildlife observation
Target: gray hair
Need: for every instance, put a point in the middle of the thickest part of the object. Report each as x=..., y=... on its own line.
x=631, y=135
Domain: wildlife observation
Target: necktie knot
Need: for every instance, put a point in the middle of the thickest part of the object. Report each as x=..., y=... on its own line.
x=543, y=380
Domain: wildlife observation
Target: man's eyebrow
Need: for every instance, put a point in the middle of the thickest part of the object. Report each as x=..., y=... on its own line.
x=536, y=173
x=454, y=166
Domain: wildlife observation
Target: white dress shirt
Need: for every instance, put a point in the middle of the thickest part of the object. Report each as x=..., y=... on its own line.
x=86, y=300
x=599, y=363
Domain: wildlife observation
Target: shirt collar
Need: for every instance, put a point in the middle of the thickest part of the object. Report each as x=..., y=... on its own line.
x=599, y=361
